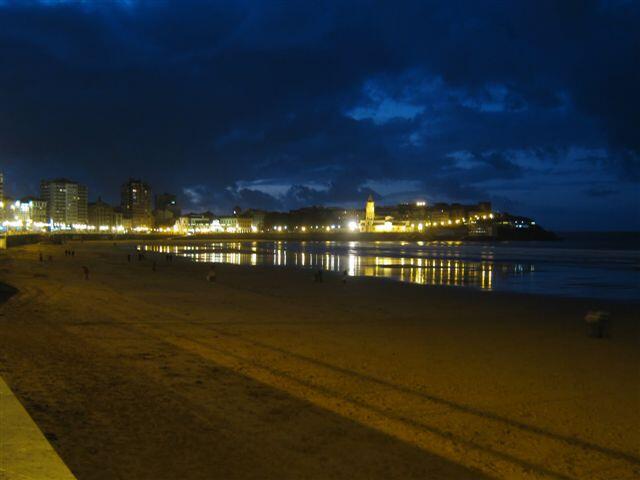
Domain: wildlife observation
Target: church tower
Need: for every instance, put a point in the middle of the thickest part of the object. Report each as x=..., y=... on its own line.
x=369, y=215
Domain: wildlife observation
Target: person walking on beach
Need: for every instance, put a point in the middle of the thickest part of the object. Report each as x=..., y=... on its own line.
x=211, y=275
x=318, y=276
x=597, y=323
x=41, y=259
x=345, y=274
x=128, y=257
x=85, y=270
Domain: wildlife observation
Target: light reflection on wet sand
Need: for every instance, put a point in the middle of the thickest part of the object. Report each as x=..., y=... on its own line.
x=419, y=270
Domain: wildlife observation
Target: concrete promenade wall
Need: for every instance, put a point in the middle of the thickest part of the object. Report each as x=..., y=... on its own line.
x=25, y=453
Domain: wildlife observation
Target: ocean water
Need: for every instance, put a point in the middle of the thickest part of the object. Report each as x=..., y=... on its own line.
x=599, y=266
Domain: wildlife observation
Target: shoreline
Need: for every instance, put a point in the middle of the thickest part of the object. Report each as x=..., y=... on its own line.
x=311, y=236
x=264, y=373
x=619, y=300
x=508, y=295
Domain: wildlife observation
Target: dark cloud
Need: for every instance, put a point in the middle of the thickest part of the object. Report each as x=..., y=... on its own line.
x=276, y=105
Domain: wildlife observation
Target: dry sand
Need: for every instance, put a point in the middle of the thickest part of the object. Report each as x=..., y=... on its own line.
x=136, y=374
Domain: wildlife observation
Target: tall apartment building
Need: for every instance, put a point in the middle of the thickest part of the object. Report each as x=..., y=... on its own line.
x=136, y=202
x=1, y=187
x=168, y=201
x=167, y=210
x=66, y=201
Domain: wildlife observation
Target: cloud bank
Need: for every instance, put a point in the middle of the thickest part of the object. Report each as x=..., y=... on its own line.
x=533, y=105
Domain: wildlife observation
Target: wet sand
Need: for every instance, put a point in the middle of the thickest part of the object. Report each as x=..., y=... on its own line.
x=265, y=374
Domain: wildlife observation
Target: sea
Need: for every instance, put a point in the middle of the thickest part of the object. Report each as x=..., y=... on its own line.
x=587, y=265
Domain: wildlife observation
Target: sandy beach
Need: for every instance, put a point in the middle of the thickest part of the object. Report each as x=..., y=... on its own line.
x=143, y=374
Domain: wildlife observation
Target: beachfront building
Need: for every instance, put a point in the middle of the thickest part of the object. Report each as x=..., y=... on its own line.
x=29, y=213
x=235, y=224
x=418, y=216
x=35, y=208
x=369, y=216
x=257, y=218
x=66, y=202
x=381, y=222
x=195, y=223
x=135, y=200
x=103, y=216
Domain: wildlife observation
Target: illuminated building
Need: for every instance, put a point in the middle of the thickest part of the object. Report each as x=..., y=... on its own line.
x=164, y=217
x=27, y=214
x=195, y=222
x=482, y=229
x=380, y=222
x=369, y=215
x=136, y=203
x=235, y=224
x=36, y=209
x=118, y=217
x=66, y=201
x=102, y=214
x=257, y=218
x=515, y=221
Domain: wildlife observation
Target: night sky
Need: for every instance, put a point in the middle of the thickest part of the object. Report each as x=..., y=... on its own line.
x=533, y=105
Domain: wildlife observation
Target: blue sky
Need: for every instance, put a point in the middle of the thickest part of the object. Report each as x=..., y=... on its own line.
x=532, y=105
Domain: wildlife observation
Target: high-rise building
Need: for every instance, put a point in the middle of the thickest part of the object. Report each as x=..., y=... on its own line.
x=167, y=201
x=136, y=203
x=66, y=201
x=167, y=210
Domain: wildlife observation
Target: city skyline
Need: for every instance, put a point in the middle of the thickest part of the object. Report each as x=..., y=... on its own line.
x=342, y=239
x=279, y=107
x=63, y=207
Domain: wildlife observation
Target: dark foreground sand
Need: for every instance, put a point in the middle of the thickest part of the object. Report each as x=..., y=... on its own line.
x=136, y=374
